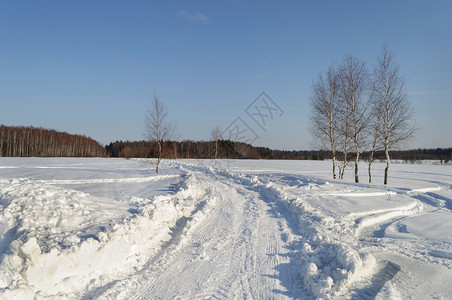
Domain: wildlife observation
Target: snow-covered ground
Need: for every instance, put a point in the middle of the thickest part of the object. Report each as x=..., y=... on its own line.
x=113, y=229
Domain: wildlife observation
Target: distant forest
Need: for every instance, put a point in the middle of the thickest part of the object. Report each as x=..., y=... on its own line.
x=38, y=142
x=206, y=149
x=30, y=141
x=238, y=150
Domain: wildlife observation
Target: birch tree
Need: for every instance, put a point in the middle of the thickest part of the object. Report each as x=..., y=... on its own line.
x=324, y=106
x=216, y=133
x=397, y=112
x=357, y=94
x=158, y=128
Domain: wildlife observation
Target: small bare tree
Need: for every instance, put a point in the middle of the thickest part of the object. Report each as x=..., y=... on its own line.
x=216, y=134
x=324, y=103
x=158, y=128
x=397, y=111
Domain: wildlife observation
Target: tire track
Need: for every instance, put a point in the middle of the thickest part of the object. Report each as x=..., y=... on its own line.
x=235, y=251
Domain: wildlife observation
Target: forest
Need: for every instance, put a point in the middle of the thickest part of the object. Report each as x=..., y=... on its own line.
x=30, y=141
x=239, y=150
x=206, y=149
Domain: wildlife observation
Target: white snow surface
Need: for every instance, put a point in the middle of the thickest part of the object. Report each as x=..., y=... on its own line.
x=73, y=228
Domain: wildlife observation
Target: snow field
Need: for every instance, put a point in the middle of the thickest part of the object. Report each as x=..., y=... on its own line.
x=112, y=229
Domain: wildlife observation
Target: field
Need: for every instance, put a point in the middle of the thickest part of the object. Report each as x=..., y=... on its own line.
x=114, y=229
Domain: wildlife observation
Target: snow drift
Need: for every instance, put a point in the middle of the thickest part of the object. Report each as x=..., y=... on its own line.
x=61, y=242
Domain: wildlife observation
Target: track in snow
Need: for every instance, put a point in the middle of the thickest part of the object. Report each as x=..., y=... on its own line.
x=240, y=249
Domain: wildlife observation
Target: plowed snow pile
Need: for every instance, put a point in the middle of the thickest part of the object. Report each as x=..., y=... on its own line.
x=113, y=229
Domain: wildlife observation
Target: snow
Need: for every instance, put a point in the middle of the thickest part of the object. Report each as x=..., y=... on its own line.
x=114, y=229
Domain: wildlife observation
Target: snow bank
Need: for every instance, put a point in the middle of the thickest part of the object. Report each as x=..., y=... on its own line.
x=330, y=268
x=58, y=242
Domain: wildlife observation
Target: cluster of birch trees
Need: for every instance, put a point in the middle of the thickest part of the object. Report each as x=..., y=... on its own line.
x=354, y=108
x=30, y=141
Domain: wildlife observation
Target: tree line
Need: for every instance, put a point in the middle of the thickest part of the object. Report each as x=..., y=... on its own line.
x=30, y=141
x=444, y=155
x=21, y=141
x=238, y=150
x=222, y=149
x=354, y=108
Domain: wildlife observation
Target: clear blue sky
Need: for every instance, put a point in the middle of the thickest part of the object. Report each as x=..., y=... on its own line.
x=91, y=67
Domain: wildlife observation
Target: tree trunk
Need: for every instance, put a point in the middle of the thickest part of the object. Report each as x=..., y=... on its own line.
x=346, y=139
x=371, y=160
x=345, y=158
x=355, y=137
x=356, y=164
x=344, y=165
x=333, y=148
x=374, y=145
x=159, y=157
x=334, y=164
x=388, y=160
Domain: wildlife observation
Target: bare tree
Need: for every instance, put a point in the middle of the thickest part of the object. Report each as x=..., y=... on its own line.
x=397, y=111
x=216, y=134
x=324, y=104
x=158, y=128
x=357, y=94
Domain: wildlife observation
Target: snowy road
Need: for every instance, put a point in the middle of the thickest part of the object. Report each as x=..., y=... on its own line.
x=112, y=229
x=239, y=249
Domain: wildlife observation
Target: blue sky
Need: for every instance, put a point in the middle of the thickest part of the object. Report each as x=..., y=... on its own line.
x=92, y=67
